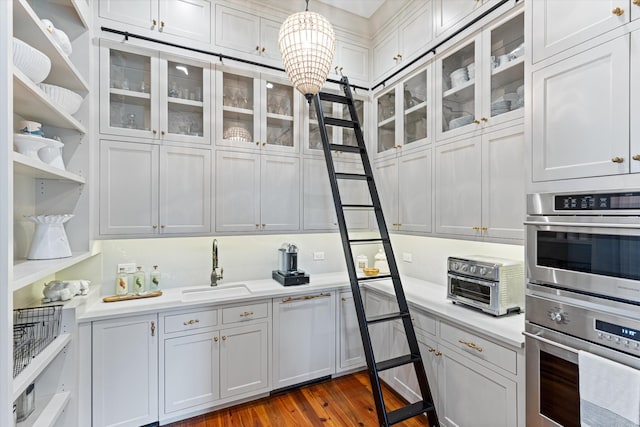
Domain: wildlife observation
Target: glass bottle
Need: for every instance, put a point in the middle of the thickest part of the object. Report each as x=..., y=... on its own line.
x=154, y=279
x=138, y=281
x=122, y=282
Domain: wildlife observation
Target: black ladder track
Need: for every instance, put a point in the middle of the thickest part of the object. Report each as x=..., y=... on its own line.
x=424, y=406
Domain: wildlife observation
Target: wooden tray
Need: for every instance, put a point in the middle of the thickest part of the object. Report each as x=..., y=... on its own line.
x=116, y=298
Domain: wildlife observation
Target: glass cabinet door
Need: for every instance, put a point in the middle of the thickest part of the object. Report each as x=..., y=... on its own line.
x=131, y=99
x=314, y=142
x=386, y=107
x=279, y=115
x=348, y=135
x=507, y=67
x=414, y=96
x=185, y=106
x=238, y=114
x=458, y=83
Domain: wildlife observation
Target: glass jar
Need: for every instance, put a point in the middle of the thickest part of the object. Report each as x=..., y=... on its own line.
x=362, y=262
x=154, y=279
x=138, y=281
x=122, y=283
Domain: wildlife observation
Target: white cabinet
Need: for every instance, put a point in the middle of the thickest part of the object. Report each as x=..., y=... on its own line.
x=144, y=189
x=304, y=338
x=256, y=112
x=179, y=19
x=154, y=96
x=403, y=115
x=380, y=333
x=479, y=187
x=125, y=371
x=350, y=352
x=560, y=25
x=405, y=189
x=580, y=114
x=480, y=82
x=449, y=15
x=244, y=357
x=351, y=60
x=412, y=32
x=190, y=373
x=318, y=208
x=257, y=192
x=247, y=33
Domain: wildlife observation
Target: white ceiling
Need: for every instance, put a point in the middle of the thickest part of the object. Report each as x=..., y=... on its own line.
x=364, y=8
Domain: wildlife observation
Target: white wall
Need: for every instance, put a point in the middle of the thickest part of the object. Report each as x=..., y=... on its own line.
x=187, y=261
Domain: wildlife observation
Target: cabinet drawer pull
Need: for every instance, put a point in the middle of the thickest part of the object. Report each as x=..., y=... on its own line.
x=636, y=156
x=191, y=322
x=306, y=297
x=471, y=345
x=153, y=328
x=246, y=313
x=618, y=11
x=617, y=159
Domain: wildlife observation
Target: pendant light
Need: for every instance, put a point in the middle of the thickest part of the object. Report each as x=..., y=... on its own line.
x=307, y=44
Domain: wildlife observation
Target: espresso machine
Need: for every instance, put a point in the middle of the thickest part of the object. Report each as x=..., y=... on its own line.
x=288, y=273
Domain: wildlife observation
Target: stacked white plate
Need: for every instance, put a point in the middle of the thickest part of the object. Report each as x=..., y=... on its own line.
x=500, y=107
x=458, y=77
x=460, y=121
x=471, y=70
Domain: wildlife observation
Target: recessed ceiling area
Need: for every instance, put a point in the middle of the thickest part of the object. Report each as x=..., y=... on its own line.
x=364, y=8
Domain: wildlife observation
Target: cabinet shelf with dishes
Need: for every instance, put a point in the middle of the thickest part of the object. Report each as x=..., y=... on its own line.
x=188, y=102
x=510, y=72
x=27, y=166
x=461, y=93
x=129, y=93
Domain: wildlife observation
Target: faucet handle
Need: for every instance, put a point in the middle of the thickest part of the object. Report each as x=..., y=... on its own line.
x=221, y=272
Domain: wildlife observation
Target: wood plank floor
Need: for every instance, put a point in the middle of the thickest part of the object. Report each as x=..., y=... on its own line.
x=344, y=401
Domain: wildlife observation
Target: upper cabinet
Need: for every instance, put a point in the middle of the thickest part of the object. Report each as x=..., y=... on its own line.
x=412, y=32
x=449, y=15
x=480, y=82
x=178, y=19
x=256, y=112
x=247, y=33
x=351, y=60
x=403, y=114
x=559, y=25
x=154, y=96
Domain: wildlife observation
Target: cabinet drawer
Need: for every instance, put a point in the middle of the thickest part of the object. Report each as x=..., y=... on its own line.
x=243, y=313
x=190, y=321
x=479, y=347
x=423, y=322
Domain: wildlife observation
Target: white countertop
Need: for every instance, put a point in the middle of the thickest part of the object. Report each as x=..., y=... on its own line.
x=427, y=296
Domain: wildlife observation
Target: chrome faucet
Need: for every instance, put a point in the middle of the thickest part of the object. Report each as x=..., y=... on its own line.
x=215, y=276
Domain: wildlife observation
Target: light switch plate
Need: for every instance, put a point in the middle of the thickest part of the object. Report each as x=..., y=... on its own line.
x=318, y=256
x=129, y=267
x=407, y=257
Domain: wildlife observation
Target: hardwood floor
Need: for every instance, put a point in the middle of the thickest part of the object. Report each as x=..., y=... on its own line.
x=344, y=401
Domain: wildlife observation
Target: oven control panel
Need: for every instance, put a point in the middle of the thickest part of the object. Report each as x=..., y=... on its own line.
x=618, y=334
x=598, y=201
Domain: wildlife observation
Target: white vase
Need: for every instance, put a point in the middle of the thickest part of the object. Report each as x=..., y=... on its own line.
x=50, y=238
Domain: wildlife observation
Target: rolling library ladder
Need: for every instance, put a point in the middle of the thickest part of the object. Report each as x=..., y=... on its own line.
x=424, y=406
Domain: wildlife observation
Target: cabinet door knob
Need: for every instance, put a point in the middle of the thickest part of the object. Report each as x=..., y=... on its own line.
x=484, y=228
x=476, y=121
x=618, y=11
x=264, y=225
x=264, y=143
x=162, y=226
x=344, y=299
x=475, y=228
x=438, y=353
x=154, y=22
x=636, y=2
x=399, y=56
x=257, y=48
x=264, y=49
x=162, y=132
x=215, y=339
x=636, y=156
x=154, y=226
x=617, y=159
x=155, y=132
x=484, y=119
x=257, y=225
x=395, y=58
x=257, y=142
x=162, y=24
x=224, y=338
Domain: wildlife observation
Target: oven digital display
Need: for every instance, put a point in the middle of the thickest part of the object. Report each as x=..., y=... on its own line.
x=605, y=201
x=621, y=331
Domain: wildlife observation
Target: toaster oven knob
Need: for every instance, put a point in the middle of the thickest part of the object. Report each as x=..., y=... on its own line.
x=483, y=271
x=473, y=269
x=455, y=266
x=465, y=267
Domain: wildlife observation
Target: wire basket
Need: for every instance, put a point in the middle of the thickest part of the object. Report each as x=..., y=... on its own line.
x=33, y=330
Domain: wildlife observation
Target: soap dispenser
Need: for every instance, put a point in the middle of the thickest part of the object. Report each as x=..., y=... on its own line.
x=154, y=279
x=138, y=281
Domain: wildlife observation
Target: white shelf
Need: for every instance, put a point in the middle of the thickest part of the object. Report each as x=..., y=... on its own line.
x=279, y=117
x=130, y=93
x=39, y=364
x=183, y=101
x=387, y=121
x=30, y=102
x=47, y=411
x=28, y=28
x=415, y=108
x=461, y=93
x=510, y=72
x=237, y=110
x=26, y=272
x=27, y=166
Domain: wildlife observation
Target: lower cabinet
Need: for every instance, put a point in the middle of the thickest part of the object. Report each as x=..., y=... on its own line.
x=125, y=371
x=304, y=338
x=350, y=354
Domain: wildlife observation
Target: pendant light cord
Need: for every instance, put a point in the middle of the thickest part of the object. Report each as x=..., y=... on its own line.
x=306, y=9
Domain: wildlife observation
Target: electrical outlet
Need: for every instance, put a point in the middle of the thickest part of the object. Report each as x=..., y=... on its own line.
x=129, y=267
x=407, y=257
x=318, y=256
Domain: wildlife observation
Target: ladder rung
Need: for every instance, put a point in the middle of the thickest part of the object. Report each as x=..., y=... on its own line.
x=387, y=317
x=332, y=121
x=409, y=411
x=367, y=241
x=357, y=176
x=352, y=206
x=345, y=148
x=397, y=361
x=332, y=97
x=374, y=278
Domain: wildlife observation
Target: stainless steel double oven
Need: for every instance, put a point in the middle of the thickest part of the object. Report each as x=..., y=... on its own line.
x=583, y=294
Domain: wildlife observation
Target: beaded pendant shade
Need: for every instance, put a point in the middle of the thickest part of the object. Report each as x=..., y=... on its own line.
x=236, y=133
x=307, y=44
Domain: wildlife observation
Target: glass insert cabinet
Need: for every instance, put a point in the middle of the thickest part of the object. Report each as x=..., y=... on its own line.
x=256, y=112
x=158, y=97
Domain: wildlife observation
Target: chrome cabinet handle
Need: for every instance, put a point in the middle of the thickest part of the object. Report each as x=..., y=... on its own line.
x=471, y=345
x=306, y=297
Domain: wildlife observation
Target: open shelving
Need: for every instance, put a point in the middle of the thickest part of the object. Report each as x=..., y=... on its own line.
x=26, y=272
x=30, y=167
x=47, y=411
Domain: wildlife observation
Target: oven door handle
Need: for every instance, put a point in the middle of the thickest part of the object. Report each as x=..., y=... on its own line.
x=548, y=341
x=575, y=224
x=470, y=280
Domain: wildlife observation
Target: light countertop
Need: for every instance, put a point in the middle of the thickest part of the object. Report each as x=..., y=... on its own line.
x=426, y=296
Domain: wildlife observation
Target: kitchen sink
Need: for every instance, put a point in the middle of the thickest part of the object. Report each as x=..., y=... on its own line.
x=204, y=293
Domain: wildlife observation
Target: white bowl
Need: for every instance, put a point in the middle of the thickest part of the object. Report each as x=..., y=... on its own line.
x=51, y=154
x=66, y=99
x=33, y=63
x=460, y=121
x=28, y=144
